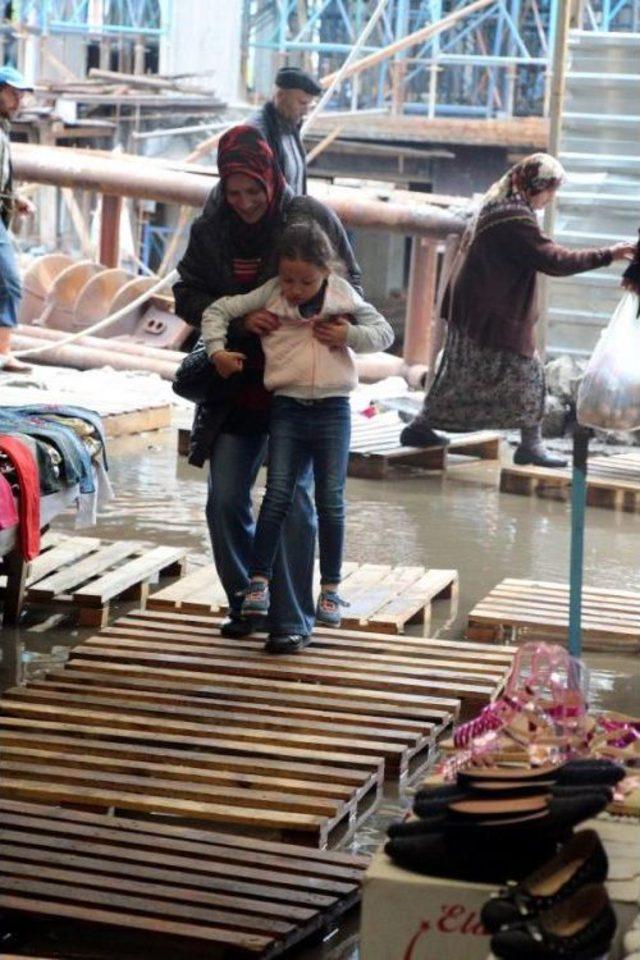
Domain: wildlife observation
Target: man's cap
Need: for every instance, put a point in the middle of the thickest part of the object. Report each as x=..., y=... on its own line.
x=14, y=78
x=293, y=78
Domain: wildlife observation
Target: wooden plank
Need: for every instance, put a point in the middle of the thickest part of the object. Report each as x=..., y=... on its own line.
x=66, y=552
x=171, y=597
x=137, y=421
x=114, y=583
x=77, y=573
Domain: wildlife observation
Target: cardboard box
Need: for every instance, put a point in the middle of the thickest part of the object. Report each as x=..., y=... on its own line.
x=408, y=916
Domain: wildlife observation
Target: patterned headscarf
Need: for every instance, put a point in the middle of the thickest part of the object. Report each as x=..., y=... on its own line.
x=535, y=173
x=243, y=150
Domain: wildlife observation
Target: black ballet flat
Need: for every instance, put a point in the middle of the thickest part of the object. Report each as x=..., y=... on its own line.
x=580, y=928
x=581, y=861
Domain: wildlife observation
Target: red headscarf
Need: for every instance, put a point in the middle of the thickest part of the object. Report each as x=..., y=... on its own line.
x=243, y=150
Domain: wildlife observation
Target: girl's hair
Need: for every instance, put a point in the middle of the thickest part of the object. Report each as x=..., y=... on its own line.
x=305, y=240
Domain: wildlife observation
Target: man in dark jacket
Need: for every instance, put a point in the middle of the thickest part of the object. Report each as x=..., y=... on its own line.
x=280, y=119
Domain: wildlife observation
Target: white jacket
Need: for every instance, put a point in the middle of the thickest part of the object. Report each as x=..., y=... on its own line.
x=296, y=364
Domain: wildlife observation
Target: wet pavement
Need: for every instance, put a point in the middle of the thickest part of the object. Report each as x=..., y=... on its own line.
x=459, y=520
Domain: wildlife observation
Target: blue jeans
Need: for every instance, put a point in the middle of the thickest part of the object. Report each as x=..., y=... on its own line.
x=306, y=434
x=233, y=470
x=10, y=283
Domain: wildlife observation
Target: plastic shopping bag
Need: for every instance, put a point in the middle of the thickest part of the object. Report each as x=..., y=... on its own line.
x=609, y=395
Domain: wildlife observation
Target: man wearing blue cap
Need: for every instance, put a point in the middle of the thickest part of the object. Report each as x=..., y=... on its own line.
x=280, y=119
x=12, y=89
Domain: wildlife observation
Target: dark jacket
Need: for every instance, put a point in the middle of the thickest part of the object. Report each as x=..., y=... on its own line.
x=206, y=274
x=494, y=294
x=282, y=142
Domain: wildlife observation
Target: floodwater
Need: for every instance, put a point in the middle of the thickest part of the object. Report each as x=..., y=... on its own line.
x=459, y=520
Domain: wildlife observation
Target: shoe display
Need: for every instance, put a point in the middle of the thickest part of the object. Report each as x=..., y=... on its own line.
x=328, y=608
x=580, y=861
x=580, y=927
x=256, y=599
x=286, y=643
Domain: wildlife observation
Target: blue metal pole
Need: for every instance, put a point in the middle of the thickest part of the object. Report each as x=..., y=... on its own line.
x=578, y=504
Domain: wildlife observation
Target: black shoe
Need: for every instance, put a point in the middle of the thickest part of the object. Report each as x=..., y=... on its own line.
x=423, y=807
x=581, y=927
x=234, y=628
x=413, y=436
x=537, y=457
x=415, y=828
x=286, y=642
x=581, y=861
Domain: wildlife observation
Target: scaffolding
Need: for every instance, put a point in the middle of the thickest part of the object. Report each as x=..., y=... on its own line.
x=96, y=18
x=492, y=63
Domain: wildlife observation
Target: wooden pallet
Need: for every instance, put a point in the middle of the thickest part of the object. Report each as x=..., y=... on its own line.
x=87, y=574
x=382, y=598
x=162, y=715
x=612, y=482
x=376, y=450
x=530, y=609
x=139, y=888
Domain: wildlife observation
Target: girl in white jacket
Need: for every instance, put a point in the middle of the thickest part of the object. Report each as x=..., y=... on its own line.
x=310, y=369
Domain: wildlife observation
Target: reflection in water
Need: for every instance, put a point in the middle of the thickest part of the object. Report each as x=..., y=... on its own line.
x=458, y=521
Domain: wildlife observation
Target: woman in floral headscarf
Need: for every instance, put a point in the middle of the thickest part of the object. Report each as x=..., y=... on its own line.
x=490, y=376
x=232, y=249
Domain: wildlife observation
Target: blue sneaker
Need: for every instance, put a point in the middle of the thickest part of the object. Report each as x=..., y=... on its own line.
x=256, y=599
x=328, y=608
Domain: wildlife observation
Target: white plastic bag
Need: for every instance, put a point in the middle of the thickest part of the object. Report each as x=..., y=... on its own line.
x=609, y=395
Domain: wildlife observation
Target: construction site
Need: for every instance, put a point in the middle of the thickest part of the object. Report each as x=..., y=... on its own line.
x=181, y=776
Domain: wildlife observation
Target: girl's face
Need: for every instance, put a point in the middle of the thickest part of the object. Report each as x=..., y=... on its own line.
x=246, y=197
x=300, y=281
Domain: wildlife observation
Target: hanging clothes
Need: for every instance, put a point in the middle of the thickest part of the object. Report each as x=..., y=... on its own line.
x=8, y=509
x=76, y=460
x=29, y=502
x=67, y=410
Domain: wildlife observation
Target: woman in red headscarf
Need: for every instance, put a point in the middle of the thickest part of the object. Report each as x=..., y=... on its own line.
x=232, y=249
x=490, y=375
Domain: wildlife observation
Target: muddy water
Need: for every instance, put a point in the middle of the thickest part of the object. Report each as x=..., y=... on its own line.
x=457, y=521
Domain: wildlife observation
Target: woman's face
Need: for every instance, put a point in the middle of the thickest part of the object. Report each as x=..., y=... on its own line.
x=246, y=197
x=540, y=200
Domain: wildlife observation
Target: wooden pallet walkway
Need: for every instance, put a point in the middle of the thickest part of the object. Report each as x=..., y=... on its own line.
x=529, y=609
x=145, y=889
x=160, y=714
x=382, y=598
x=86, y=574
x=376, y=450
x=612, y=482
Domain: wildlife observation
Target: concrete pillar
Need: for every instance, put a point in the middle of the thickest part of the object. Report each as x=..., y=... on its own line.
x=205, y=35
x=381, y=257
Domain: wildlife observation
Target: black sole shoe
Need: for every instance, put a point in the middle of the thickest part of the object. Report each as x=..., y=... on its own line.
x=422, y=437
x=580, y=861
x=581, y=928
x=235, y=628
x=538, y=458
x=283, y=643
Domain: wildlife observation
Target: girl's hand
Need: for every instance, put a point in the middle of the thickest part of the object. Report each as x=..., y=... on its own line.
x=261, y=322
x=623, y=251
x=227, y=362
x=332, y=332
x=24, y=207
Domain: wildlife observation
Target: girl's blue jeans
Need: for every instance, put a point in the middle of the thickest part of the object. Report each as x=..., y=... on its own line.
x=305, y=434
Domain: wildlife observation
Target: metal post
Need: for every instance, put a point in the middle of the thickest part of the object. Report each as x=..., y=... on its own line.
x=578, y=504
x=110, y=230
x=420, y=301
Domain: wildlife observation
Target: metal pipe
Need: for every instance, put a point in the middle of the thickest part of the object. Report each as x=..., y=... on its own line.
x=420, y=301
x=84, y=358
x=110, y=230
x=130, y=348
x=136, y=177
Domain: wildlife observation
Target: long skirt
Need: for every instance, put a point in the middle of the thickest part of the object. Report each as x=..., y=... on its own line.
x=479, y=388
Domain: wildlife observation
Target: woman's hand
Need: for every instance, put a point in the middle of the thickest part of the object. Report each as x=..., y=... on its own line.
x=331, y=332
x=261, y=322
x=623, y=251
x=24, y=207
x=227, y=362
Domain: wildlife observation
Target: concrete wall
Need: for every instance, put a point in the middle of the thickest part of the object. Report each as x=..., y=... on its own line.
x=205, y=35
